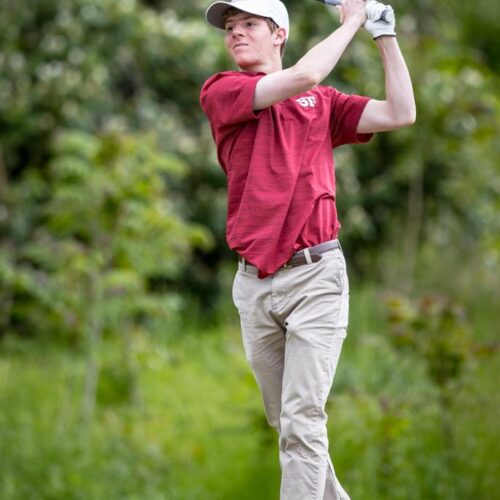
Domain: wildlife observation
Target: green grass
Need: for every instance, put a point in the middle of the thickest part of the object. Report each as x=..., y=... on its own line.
x=197, y=429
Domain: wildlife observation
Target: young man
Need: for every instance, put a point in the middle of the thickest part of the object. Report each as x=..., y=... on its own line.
x=275, y=130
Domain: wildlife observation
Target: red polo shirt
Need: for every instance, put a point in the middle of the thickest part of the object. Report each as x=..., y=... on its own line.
x=279, y=165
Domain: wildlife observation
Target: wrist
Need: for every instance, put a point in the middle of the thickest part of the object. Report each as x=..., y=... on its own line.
x=353, y=23
x=386, y=40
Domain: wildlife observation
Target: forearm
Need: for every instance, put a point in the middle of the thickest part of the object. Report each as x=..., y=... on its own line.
x=400, y=100
x=319, y=61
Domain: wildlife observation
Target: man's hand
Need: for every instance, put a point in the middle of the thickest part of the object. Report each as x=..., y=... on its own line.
x=379, y=28
x=353, y=11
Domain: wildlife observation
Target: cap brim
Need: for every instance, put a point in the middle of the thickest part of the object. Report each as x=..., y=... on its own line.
x=215, y=14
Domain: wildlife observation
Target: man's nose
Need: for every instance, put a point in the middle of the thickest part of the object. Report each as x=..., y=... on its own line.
x=237, y=31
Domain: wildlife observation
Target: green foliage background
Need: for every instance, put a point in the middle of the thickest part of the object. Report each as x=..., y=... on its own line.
x=121, y=373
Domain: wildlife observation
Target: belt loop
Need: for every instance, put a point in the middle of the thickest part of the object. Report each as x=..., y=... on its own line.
x=242, y=261
x=307, y=255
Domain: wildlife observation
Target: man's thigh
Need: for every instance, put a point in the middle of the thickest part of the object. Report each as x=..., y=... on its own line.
x=263, y=339
x=316, y=328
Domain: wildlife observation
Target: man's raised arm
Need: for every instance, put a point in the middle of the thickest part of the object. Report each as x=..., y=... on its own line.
x=316, y=64
x=398, y=110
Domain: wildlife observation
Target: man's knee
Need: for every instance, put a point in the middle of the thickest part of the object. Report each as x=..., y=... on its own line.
x=303, y=436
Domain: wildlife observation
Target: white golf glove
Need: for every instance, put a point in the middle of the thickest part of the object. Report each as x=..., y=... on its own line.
x=377, y=26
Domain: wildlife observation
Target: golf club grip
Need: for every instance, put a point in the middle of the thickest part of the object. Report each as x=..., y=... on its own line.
x=386, y=16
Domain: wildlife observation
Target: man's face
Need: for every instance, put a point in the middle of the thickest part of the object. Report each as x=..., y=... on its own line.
x=248, y=39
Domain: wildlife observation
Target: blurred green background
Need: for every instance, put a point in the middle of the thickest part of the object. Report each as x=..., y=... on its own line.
x=121, y=369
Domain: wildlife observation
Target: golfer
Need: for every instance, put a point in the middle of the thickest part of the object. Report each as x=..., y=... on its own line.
x=274, y=130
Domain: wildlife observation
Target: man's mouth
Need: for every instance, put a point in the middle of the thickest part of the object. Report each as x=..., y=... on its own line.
x=239, y=45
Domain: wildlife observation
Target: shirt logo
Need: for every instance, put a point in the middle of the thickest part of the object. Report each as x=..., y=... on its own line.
x=307, y=102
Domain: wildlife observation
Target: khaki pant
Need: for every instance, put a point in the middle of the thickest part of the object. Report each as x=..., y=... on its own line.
x=293, y=325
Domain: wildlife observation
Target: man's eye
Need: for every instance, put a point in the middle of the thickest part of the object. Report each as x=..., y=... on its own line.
x=249, y=23
x=229, y=29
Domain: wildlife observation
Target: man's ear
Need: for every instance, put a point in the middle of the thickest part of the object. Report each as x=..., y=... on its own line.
x=279, y=36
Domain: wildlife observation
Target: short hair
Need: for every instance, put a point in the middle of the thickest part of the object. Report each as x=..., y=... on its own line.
x=272, y=25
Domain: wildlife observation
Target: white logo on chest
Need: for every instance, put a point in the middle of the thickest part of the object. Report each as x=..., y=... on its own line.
x=307, y=102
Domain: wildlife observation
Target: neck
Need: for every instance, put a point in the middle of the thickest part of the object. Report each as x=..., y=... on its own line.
x=269, y=66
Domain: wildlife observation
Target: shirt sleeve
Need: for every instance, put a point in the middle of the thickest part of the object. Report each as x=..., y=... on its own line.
x=345, y=113
x=227, y=98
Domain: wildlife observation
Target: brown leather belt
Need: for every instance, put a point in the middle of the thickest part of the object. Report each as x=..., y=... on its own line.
x=315, y=254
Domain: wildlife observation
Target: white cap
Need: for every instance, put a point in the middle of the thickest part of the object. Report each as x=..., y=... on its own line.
x=274, y=9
